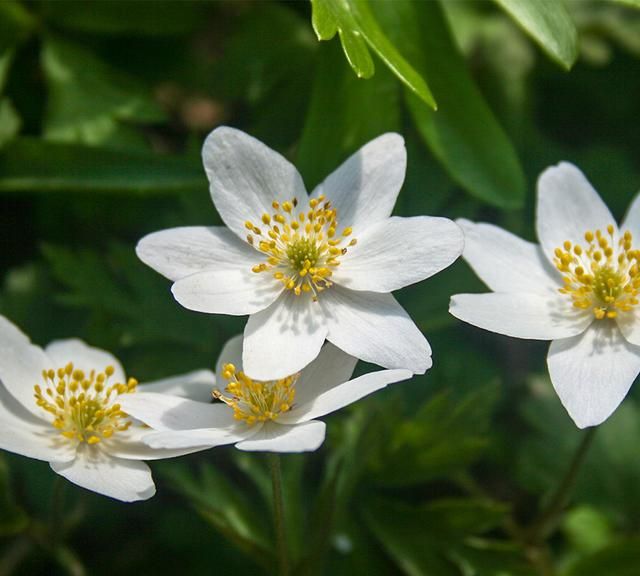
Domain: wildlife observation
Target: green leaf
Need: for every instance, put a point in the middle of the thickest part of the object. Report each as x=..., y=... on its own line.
x=360, y=111
x=90, y=108
x=5, y=65
x=30, y=165
x=549, y=24
x=443, y=438
x=621, y=559
x=358, y=29
x=463, y=134
x=9, y=122
x=630, y=3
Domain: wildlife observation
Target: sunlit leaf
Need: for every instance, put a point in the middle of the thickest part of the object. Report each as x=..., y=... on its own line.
x=549, y=24
x=90, y=107
x=358, y=28
x=463, y=134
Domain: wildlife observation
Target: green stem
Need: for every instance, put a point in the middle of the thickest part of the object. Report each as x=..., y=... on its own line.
x=548, y=518
x=278, y=515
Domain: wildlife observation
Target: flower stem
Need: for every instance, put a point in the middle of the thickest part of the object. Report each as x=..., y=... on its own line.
x=278, y=515
x=548, y=517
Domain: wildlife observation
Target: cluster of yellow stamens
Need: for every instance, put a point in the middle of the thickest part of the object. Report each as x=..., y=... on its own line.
x=255, y=401
x=602, y=277
x=302, y=247
x=82, y=405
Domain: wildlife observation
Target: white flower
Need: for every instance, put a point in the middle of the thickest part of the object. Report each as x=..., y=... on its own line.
x=306, y=268
x=63, y=405
x=579, y=288
x=274, y=416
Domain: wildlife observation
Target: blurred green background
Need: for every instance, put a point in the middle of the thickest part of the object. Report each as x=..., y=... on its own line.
x=103, y=109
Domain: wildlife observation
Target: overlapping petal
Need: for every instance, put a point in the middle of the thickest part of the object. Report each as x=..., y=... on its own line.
x=21, y=365
x=365, y=187
x=274, y=437
x=284, y=338
x=592, y=372
x=196, y=385
x=375, y=328
x=245, y=177
x=505, y=262
x=179, y=252
x=126, y=480
x=567, y=207
x=632, y=219
x=84, y=357
x=396, y=252
x=342, y=395
x=521, y=315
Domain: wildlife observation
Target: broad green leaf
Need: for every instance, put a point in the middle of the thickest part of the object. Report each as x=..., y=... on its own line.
x=358, y=28
x=88, y=99
x=359, y=112
x=630, y=3
x=9, y=122
x=132, y=17
x=30, y=165
x=619, y=559
x=549, y=24
x=463, y=134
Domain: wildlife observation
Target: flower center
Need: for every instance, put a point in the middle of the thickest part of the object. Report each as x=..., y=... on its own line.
x=82, y=405
x=302, y=248
x=602, y=277
x=256, y=401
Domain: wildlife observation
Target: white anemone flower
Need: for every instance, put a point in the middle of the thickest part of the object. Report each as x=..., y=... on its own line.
x=63, y=405
x=306, y=268
x=274, y=416
x=579, y=288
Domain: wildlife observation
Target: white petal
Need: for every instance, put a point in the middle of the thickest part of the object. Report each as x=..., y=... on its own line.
x=629, y=324
x=521, y=315
x=196, y=385
x=506, y=263
x=231, y=354
x=234, y=291
x=179, y=252
x=273, y=437
x=21, y=365
x=343, y=395
x=126, y=480
x=365, y=187
x=200, y=439
x=23, y=433
x=632, y=220
x=567, y=207
x=397, y=252
x=164, y=412
x=130, y=445
x=245, y=177
x=375, y=328
x=330, y=368
x=593, y=372
x=284, y=338
x=84, y=357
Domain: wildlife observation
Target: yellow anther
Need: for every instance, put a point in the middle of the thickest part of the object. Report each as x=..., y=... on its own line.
x=266, y=218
